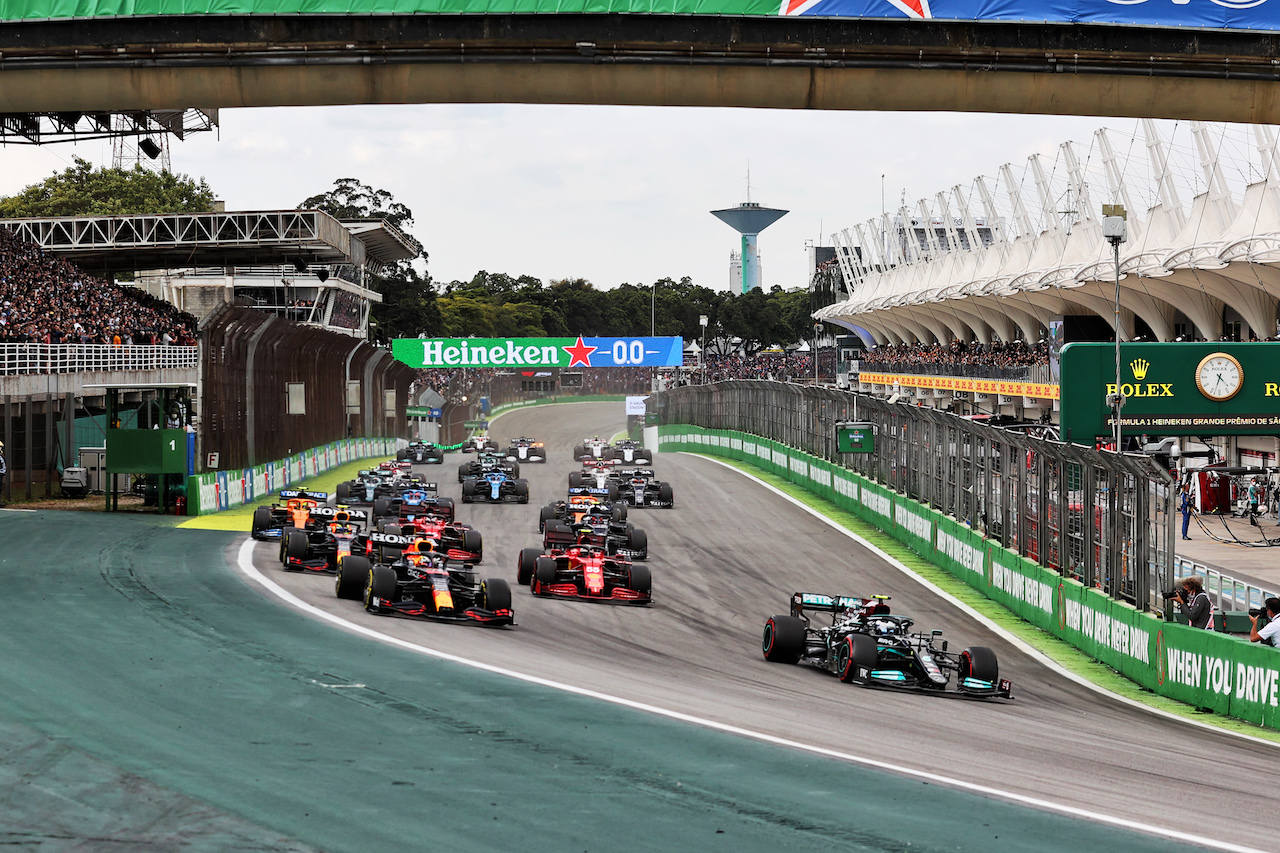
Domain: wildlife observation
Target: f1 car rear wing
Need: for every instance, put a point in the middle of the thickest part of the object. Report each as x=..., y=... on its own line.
x=588, y=490
x=395, y=541
x=628, y=473
x=286, y=494
x=814, y=602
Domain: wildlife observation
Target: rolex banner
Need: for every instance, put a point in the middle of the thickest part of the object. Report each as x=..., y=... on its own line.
x=1215, y=388
x=539, y=352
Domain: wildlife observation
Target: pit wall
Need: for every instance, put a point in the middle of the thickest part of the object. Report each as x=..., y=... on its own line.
x=1205, y=669
x=219, y=490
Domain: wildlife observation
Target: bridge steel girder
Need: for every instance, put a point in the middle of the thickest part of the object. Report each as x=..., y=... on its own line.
x=784, y=62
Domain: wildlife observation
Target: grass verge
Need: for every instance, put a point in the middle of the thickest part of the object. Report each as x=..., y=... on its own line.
x=1064, y=654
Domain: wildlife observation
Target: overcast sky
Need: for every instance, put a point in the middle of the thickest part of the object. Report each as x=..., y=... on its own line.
x=610, y=194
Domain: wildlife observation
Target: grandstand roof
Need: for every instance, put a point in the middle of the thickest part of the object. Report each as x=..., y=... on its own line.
x=237, y=238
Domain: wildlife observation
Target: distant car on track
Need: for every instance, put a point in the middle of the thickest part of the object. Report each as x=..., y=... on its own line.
x=640, y=487
x=321, y=548
x=866, y=644
x=423, y=453
x=595, y=448
x=526, y=450
x=479, y=444
x=602, y=526
x=628, y=452
x=495, y=487
x=485, y=462
x=300, y=508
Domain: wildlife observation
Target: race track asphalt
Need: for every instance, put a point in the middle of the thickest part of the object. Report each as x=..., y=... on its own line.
x=147, y=654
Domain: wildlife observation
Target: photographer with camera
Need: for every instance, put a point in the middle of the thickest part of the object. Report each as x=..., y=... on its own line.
x=1194, y=602
x=1271, y=631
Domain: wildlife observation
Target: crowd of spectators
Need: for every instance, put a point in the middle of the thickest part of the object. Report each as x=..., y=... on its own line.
x=46, y=300
x=782, y=366
x=996, y=354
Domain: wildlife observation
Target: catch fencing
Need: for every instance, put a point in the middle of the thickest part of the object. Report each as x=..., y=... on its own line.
x=1104, y=519
x=270, y=387
x=22, y=359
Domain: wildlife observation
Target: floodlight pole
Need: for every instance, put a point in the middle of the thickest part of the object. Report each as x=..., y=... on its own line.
x=1114, y=230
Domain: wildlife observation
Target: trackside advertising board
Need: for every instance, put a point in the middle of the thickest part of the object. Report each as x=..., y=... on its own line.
x=1212, y=14
x=1202, y=668
x=218, y=490
x=539, y=352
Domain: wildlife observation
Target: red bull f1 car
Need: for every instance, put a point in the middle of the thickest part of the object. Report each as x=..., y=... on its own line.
x=320, y=548
x=866, y=644
x=586, y=573
x=424, y=583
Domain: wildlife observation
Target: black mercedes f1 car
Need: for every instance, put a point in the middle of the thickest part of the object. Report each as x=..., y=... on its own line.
x=866, y=644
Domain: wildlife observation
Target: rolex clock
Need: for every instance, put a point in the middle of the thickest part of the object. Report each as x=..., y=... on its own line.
x=1219, y=376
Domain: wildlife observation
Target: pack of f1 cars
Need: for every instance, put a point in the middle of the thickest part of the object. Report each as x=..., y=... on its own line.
x=483, y=463
x=377, y=484
x=420, y=499
x=425, y=583
x=628, y=452
x=581, y=500
x=584, y=572
x=595, y=448
x=423, y=515
x=866, y=644
x=479, y=444
x=300, y=508
x=422, y=453
x=640, y=487
x=601, y=526
x=495, y=487
x=524, y=449
x=321, y=548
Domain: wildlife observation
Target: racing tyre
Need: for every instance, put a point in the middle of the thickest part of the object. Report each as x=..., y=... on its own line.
x=261, y=520
x=381, y=507
x=515, y=470
x=447, y=505
x=468, y=491
x=463, y=470
x=619, y=512
x=614, y=494
x=473, y=542
x=544, y=571
x=783, y=640
x=402, y=454
x=295, y=547
x=353, y=572
x=856, y=652
x=393, y=529
x=344, y=493
x=522, y=491
x=606, y=453
x=640, y=580
x=578, y=453
x=284, y=540
x=575, y=479
x=380, y=584
x=526, y=565
x=667, y=494
x=639, y=541
x=979, y=662
x=495, y=594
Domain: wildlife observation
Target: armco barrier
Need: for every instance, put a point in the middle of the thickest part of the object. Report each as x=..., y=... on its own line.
x=219, y=490
x=1205, y=669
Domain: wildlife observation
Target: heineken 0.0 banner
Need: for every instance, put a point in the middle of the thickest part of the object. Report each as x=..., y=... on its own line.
x=539, y=352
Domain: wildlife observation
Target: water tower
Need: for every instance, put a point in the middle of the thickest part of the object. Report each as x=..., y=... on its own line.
x=749, y=219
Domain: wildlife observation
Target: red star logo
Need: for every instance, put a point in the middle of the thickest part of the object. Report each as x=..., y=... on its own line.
x=579, y=353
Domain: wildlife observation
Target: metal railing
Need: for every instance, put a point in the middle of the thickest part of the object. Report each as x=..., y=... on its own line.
x=1227, y=592
x=1035, y=373
x=1105, y=519
x=18, y=359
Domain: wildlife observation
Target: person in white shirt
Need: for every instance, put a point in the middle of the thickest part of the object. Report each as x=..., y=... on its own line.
x=1269, y=633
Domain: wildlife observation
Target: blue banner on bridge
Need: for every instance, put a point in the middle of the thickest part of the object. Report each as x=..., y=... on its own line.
x=1215, y=14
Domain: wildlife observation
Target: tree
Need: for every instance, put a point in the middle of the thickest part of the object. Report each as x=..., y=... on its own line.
x=350, y=199
x=82, y=190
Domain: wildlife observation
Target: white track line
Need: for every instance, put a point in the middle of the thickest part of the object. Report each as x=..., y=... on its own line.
x=1014, y=640
x=245, y=562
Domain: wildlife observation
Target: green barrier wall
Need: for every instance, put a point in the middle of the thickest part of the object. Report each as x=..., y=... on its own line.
x=219, y=490
x=1202, y=668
